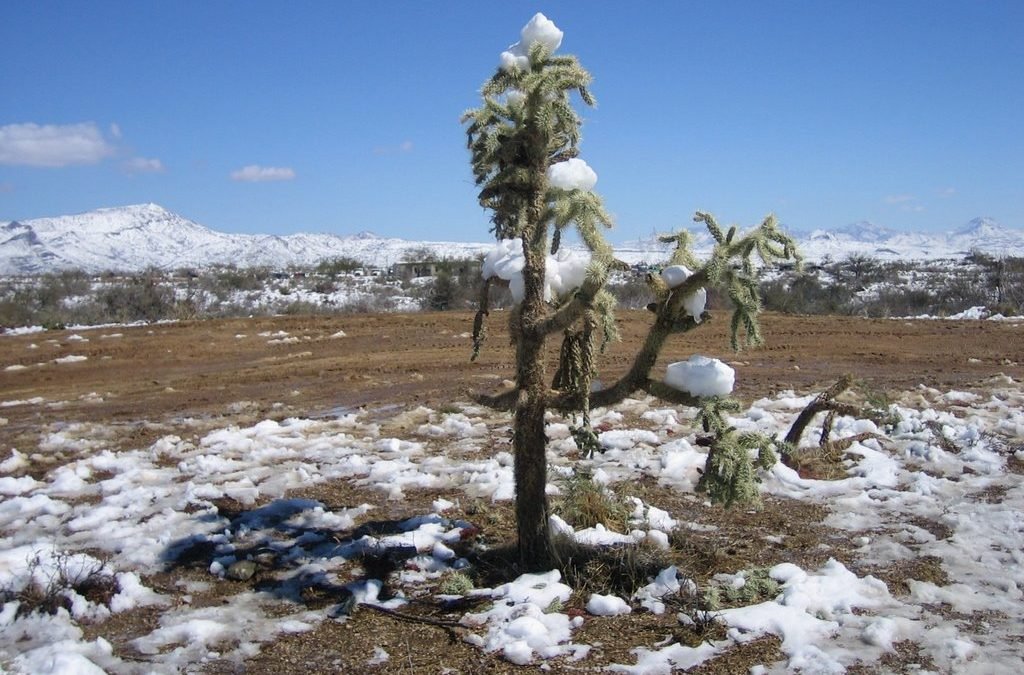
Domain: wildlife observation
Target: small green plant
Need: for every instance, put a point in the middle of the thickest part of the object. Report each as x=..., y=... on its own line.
x=878, y=404
x=554, y=607
x=698, y=622
x=729, y=474
x=621, y=570
x=449, y=409
x=456, y=583
x=757, y=587
x=585, y=503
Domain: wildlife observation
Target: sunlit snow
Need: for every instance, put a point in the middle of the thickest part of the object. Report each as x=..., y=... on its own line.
x=538, y=29
x=563, y=272
x=694, y=304
x=572, y=174
x=139, y=508
x=701, y=376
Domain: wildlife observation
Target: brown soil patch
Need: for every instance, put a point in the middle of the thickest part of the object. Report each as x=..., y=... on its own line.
x=906, y=657
x=898, y=575
x=204, y=370
x=714, y=539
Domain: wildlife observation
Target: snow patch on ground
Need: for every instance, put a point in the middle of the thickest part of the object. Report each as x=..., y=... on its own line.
x=945, y=460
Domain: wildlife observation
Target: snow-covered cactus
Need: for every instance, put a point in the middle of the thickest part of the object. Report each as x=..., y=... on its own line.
x=524, y=141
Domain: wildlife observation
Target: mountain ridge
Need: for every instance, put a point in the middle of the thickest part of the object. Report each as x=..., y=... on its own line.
x=134, y=237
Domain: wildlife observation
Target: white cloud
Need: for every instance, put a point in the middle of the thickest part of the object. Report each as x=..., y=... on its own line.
x=254, y=173
x=53, y=145
x=143, y=165
x=947, y=192
x=907, y=203
x=899, y=199
x=115, y=130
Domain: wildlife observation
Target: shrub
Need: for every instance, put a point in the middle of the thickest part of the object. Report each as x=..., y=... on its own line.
x=805, y=294
x=901, y=302
x=140, y=298
x=333, y=267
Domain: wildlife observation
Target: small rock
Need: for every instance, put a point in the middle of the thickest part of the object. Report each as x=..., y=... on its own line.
x=266, y=558
x=243, y=570
x=345, y=607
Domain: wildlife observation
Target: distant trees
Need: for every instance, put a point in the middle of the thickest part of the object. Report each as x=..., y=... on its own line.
x=860, y=285
x=142, y=297
x=332, y=267
x=455, y=284
x=885, y=289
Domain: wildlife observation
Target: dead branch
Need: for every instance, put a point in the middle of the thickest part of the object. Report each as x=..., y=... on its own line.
x=843, y=444
x=824, y=401
x=413, y=618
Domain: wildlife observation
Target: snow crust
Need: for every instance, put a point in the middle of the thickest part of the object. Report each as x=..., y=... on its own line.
x=701, y=376
x=518, y=624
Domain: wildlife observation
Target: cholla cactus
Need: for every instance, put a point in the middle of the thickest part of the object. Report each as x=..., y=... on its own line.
x=524, y=140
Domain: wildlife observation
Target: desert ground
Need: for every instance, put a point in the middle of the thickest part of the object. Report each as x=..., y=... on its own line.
x=130, y=387
x=286, y=366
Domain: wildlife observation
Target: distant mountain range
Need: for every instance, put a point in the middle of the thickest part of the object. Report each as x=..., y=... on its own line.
x=131, y=238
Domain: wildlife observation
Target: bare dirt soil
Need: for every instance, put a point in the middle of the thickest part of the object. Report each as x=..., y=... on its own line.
x=283, y=366
x=145, y=382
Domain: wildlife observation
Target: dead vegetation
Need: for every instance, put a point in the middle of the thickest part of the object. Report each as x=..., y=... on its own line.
x=53, y=580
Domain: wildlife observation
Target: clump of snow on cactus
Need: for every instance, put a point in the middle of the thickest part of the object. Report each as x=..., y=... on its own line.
x=539, y=29
x=564, y=271
x=701, y=376
x=572, y=174
x=694, y=304
x=515, y=97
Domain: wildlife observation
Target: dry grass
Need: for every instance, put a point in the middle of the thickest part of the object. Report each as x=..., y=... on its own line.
x=898, y=575
x=906, y=657
x=824, y=463
x=53, y=583
x=584, y=504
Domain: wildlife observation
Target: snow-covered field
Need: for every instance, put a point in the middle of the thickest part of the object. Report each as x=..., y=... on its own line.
x=942, y=482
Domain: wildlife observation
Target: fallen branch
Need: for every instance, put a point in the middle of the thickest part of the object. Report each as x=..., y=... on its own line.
x=843, y=444
x=412, y=618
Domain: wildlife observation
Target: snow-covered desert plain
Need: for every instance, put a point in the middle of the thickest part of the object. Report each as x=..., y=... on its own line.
x=214, y=544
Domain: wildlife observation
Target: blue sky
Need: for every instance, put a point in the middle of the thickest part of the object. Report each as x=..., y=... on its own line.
x=342, y=116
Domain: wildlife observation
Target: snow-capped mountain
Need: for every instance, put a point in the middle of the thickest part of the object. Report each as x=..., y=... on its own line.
x=132, y=238
x=867, y=239
x=866, y=231
x=135, y=237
